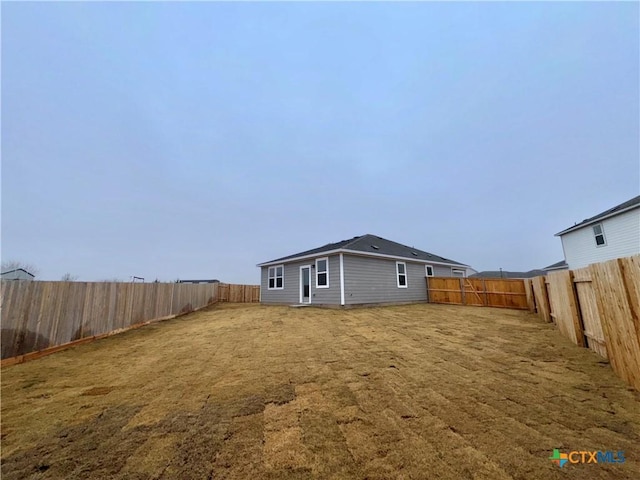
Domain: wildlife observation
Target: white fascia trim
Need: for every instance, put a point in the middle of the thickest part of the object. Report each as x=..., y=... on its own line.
x=364, y=254
x=341, y=279
x=303, y=257
x=596, y=220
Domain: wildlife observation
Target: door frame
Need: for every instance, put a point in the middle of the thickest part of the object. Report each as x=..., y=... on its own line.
x=302, y=285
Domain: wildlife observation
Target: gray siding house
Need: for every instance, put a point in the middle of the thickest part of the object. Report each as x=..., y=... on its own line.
x=362, y=270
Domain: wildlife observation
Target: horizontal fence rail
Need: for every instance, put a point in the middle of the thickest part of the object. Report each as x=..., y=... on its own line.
x=597, y=307
x=40, y=316
x=505, y=293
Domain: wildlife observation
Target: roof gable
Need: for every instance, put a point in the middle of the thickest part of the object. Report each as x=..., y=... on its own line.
x=17, y=270
x=618, y=209
x=371, y=245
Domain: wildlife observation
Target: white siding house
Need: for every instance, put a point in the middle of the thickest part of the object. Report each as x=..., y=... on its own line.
x=17, y=274
x=608, y=235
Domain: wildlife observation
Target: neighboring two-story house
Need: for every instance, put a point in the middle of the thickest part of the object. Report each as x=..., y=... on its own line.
x=614, y=233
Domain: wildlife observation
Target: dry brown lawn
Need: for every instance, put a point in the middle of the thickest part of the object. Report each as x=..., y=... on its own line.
x=253, y=392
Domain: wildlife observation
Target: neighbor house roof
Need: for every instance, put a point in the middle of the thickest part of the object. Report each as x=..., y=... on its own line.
x=617, y=210
x=369, y=245
x=200, y=281
x=507, y=274
x=17, y=270
x=561, y=265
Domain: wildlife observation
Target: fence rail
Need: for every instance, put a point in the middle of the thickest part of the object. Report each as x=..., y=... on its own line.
x=505, y=293
x=39, y=316
x=597, y=307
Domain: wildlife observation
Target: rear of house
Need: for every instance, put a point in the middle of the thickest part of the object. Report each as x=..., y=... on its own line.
x=362, y=270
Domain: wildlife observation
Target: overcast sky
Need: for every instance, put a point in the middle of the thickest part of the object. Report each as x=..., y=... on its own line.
x=170, y=140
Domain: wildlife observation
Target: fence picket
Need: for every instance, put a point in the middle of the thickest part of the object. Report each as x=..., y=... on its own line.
x=41, y=315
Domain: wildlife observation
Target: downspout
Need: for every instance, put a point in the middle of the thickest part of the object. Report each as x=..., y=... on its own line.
x=342, y=279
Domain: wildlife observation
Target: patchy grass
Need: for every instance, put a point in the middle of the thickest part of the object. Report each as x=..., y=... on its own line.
x=238, y=391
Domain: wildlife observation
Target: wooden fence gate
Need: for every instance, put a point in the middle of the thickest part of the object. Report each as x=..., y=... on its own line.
x=486, y=292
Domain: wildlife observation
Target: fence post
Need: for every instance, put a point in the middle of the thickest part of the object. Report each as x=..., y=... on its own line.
x=579, y=324
x=542, y=298
x=484, y=291
x=427, y=284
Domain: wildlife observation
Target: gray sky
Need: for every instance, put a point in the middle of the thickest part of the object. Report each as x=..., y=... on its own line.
x=171, y=140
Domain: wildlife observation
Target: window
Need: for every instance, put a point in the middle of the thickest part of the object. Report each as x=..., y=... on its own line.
x=276, y=277
x=322, y=273
x=456, y=272
x=429, y=270
x=598, y=233
x=401, y=270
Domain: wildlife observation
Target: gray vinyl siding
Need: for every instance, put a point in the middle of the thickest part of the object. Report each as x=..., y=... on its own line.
x=373, y=280
x=329, y=295
x=441, y=271
x=367, y=280
x=290, y=294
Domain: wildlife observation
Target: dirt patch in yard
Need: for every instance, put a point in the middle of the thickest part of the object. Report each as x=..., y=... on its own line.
x=237, y=391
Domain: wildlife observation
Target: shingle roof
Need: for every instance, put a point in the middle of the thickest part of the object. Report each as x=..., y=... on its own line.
x=557, y=266
x=629, y=204
x=507, y=274
x=373, y=245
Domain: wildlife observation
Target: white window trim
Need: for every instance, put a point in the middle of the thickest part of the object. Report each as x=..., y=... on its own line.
x=406, y=277
x=275, y=278
x=303, y=267
x=426, y=270
x=595, y=235
x=464, y=273
x=326, y=271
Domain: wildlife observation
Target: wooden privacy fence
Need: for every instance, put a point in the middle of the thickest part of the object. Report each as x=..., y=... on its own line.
x=41, y=316
x=597, y=307
x=500, y=292
x=239, y=293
